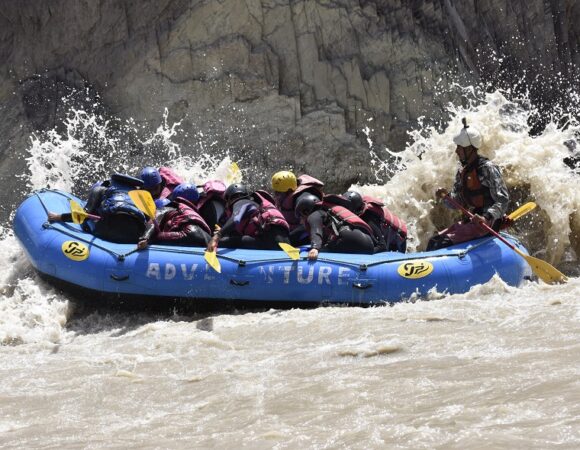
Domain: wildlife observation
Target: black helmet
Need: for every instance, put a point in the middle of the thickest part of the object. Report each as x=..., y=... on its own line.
x=236, y=190
x=305, y=204
x=355, y=200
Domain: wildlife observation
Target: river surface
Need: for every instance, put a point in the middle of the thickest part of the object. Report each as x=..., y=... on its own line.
x=497, y=367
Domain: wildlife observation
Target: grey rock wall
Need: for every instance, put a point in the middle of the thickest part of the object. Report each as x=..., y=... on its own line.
x=279, y=83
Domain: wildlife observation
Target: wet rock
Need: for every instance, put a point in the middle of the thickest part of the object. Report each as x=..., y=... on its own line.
x=281, y=84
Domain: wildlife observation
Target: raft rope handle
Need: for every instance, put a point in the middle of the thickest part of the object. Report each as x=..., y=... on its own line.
x=490, y=238
x=165, y=249
x=458, y=254
x=119, y=256
x=241, y=262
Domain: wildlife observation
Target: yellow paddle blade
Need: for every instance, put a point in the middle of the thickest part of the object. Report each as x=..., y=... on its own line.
x=545, y=271
x=78, y=213
x=144, y=202
x=211, y=259
x=292, y=252
x=522, y=211
x=234, y=174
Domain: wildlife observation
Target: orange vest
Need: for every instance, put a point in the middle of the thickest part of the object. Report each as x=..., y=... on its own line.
x=473, y=192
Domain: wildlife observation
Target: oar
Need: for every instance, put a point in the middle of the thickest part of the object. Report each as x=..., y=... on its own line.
x=545, y=271
x=211, y=257
x=212, y=260
x=144, y=202
x=79, y=215
x=233, y=173
x=522, y=211
x=292, y=252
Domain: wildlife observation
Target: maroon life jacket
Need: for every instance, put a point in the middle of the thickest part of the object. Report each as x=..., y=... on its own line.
x=385, y=217
x=307, y=180
x=473, y=192
x=212, y=190
x=286, y=207
x=306, y=183
x=342, y=216
x=259, y=221
x=171, y=180
x=183, y=214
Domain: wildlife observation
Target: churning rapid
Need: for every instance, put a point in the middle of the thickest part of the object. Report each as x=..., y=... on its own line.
x=496, y=367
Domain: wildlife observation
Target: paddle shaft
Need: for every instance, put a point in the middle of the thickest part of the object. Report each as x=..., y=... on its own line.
x=481, y=224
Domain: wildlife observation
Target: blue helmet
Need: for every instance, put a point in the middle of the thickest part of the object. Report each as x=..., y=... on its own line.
x=162, y=202
x=151, y=177
x=187, y=191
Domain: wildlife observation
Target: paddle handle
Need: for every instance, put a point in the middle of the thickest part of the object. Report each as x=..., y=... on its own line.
x=92, y=216
x=481, y=224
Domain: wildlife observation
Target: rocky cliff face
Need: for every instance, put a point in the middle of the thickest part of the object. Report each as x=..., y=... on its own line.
x=279, y=83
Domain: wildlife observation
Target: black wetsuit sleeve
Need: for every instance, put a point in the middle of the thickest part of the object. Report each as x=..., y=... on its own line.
x=149, y=232
x=95, y=199
x=228, y=227
x=316, y=224
x=378, y=237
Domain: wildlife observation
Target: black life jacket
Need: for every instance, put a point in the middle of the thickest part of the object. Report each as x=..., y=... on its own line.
x=121, y=221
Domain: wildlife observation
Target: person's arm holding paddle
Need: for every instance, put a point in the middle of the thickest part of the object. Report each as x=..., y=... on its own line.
x=147, y=235
x=210, y=255
x=213, y=242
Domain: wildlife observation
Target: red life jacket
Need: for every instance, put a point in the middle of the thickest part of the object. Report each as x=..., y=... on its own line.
x=307, y=180
x=183, y=214
x=342, y=216
x=385, y=217
x=212, y=190
x=306, y=183
x=171, y=180
x=286, y=207
x=257, y=222
x=475, y=194
x=336, y=199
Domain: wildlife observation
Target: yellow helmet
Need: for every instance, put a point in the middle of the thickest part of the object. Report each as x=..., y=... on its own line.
x=283, y=181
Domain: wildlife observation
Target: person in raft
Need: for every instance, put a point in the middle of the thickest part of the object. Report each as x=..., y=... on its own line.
x=287, y=190
x=177, y=220
x=333, y=228
x=120, y=219
x=389, y=230
x=160, y=182
x=211, y=204
x=253, y=221
x=478, y=187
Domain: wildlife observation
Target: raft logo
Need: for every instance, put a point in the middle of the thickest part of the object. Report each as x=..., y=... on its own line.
x=415, y=269
x=77, y=251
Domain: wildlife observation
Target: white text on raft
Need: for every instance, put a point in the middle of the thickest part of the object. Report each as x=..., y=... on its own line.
x=269, y=274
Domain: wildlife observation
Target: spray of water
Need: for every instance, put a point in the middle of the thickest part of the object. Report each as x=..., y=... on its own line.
x=87, y=148
x=90, y=148
x=533, y=166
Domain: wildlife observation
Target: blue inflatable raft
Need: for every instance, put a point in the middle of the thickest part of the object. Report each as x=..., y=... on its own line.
x=77, y=260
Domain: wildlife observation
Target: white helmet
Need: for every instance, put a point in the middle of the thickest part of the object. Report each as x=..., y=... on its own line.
x=468, y=136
